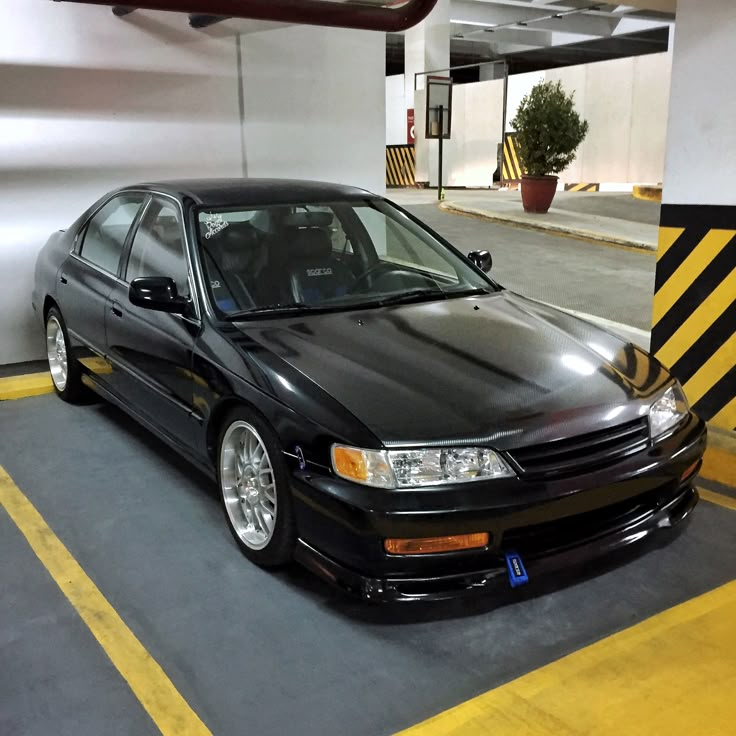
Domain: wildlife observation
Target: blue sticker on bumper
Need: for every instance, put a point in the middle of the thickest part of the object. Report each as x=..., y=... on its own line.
x=517, y=571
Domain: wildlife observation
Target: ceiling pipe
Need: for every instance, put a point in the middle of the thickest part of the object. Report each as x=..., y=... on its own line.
x=205, y=21
x=309, y=12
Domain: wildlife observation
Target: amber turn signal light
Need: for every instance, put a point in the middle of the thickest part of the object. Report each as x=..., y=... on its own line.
x=430, y=545
x=690, y=471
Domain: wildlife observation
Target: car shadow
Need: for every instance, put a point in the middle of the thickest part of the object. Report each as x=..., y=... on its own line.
x=303, y=582
x=475, y=604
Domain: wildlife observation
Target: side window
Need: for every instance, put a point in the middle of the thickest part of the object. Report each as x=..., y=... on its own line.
x=158, y=247
x=106, y=232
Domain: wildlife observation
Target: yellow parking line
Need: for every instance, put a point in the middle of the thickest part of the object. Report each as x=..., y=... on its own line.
x=21, y=387
x=673, y=673
x=163, y=702
x=718, y=498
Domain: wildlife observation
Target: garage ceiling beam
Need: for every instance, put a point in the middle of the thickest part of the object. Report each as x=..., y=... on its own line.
x=309, y=12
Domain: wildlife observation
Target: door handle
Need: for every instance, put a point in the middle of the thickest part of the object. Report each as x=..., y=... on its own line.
x=116, y=309
x=63, y=280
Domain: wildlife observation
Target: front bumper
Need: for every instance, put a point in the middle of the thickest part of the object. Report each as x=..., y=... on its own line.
x=555, y=526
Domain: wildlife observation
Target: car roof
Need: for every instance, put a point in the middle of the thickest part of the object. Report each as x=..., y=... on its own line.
x=235, y=192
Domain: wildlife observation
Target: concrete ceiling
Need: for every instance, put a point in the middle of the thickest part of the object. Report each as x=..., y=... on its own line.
x=507, y=27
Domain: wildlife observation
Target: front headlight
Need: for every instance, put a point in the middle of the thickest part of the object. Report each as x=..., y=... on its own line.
x=423, y=467
x=667, y=411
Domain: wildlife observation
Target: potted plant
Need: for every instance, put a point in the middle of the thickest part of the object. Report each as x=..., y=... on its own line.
x=548, y=133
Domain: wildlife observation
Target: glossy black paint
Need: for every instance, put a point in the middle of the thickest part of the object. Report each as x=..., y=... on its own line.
x=482, y=259
x=497, y=370
x=158, y=293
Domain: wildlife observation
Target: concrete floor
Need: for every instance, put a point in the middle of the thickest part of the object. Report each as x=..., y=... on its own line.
x=620, y=205
x=610, y=282
x=258, y=652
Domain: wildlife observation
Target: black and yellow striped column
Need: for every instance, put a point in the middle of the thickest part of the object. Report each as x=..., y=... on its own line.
x=511, y=169
x=400, y=166
x=694, y=318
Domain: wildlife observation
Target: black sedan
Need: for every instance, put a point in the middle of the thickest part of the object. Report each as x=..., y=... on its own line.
x=371, y=403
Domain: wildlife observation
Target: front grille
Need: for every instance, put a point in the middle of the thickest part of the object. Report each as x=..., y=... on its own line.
x=582, y=453
x=551, y=536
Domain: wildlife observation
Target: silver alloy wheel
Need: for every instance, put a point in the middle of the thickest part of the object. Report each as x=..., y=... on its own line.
x=248, y=485
x=56, y=352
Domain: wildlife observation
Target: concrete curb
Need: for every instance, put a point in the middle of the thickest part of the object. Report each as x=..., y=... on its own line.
x=648, y=192
x=21, y=387
x=547, y=227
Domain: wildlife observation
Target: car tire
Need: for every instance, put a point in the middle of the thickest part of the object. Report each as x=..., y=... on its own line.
x=254, y=487
x=65, y=373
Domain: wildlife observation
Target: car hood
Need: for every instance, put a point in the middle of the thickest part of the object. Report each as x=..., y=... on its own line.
x=496, y=369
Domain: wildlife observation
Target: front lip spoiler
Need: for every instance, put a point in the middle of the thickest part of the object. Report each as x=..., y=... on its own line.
x=396, y=589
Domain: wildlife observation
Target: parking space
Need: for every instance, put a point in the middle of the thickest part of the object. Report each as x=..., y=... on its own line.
x=252, y=651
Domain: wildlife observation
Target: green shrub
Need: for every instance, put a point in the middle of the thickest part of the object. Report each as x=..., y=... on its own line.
x=548, y=129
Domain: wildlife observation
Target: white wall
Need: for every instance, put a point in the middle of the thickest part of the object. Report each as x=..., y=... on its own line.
x=518, y=86
x=89, y=102
x=625, y=103
x=315, y=104
x=396, y=107
x=701, y=136
x=470, y=156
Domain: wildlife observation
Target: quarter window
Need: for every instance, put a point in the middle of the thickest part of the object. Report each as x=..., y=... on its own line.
x=106, y=232
x=158, y=247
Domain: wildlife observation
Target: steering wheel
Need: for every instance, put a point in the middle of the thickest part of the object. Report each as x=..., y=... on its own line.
x=364, y=278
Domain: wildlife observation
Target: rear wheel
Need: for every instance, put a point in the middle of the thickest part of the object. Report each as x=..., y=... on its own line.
x=255, y=489
x=64, y=370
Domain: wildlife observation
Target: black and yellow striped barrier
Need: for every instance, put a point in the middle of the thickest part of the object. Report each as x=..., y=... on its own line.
x=694, y=318
x=582, y=187
x=512, y=169
x=400, y=166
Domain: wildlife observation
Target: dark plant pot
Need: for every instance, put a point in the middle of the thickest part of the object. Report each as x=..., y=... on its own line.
x=537, y=193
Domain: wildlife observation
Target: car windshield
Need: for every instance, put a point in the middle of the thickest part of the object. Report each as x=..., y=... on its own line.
x=331, y=256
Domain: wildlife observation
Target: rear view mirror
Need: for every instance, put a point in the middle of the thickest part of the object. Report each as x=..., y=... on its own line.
x=482, y=259
x=158, y=293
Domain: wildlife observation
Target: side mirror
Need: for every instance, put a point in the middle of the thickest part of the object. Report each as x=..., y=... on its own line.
x=158, y=293
x=482, y=259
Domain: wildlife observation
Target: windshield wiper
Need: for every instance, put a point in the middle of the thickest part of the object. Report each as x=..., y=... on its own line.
x=276, y=309
x=420, y=294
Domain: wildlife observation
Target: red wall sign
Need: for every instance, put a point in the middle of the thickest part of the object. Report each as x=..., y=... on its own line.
x=410, y=127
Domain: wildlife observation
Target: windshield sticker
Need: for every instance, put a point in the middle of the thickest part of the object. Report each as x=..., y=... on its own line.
x=215, y=224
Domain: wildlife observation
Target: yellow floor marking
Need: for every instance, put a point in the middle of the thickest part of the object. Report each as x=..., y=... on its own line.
x=163, y=702
x=718, y=498
x=21, y=387
x=673, y=674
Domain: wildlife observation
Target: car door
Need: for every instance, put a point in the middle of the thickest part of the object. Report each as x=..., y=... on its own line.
x=151, y=351
x=89, y=275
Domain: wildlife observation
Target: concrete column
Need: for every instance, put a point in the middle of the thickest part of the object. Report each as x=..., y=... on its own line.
x=694, y=317
x=427, y=47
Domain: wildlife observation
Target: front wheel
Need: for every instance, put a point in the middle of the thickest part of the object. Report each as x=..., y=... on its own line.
x=64, y=370
x=255, y=489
